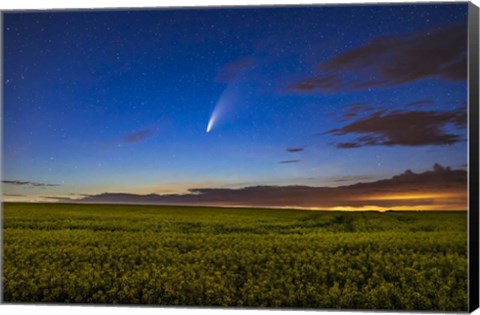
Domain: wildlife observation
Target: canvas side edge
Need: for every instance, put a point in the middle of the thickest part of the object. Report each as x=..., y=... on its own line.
x=473, y=164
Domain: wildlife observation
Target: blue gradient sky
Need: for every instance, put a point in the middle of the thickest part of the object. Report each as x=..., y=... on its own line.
x=119, y=101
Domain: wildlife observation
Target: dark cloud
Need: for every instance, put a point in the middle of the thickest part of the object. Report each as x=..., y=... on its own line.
x=435, y=189
x=348, y=145
x=58, y=199
x=326, y=83
x=350, y=178
x=295, y=150
x=15, y=182
x=354, y=109
x=393, y=60
x=233, y=71
x=27, y=183
x=408, y=128
x=134, y=137
x=420, y=103
x=139, y=135
x=289, y=161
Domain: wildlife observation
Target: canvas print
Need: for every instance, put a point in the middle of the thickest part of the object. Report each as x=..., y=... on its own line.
x=305, y=157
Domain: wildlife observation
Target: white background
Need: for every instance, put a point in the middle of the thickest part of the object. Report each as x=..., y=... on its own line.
x=74, y=310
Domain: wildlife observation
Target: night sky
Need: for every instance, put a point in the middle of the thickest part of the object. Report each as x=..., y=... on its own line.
x=100, y=102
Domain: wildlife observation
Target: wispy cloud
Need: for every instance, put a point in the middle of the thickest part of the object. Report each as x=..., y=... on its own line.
x=233, y=72
x=350, y=179
x=133, y=137
x=139, y=135
x=289, y=161
x=420, y=103
x=355, y=109
x=294, y=150
x=28, y=183
x=393, y=60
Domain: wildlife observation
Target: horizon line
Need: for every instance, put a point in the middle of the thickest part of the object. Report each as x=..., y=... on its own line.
x=252, y=207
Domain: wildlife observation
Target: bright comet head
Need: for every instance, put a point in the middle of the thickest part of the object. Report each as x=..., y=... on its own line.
x=210, y=122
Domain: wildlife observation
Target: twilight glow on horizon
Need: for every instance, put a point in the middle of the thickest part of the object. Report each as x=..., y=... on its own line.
x=320, y=107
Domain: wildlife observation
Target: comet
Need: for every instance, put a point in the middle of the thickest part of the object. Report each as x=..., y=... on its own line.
x=224, y=104
x=235, y=73
x=211, y=122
